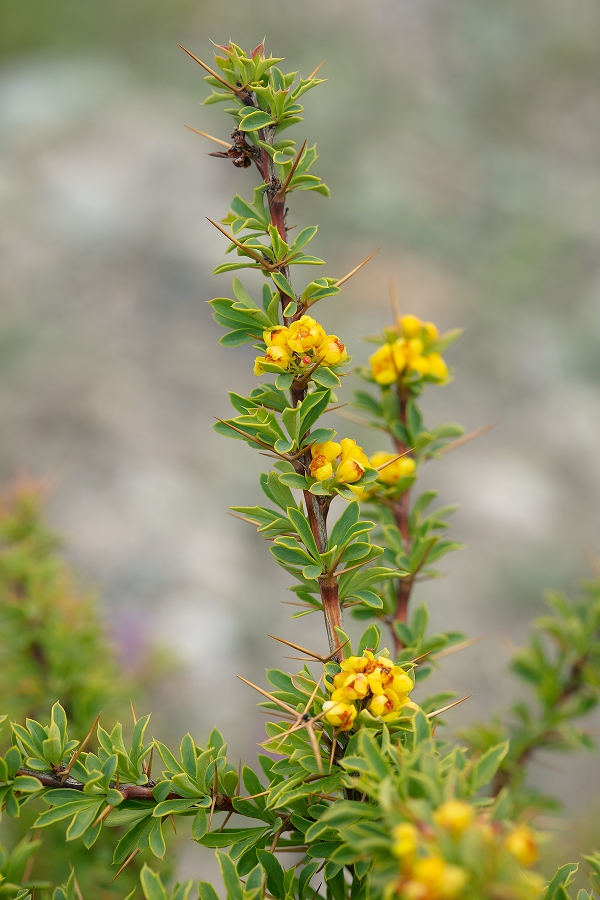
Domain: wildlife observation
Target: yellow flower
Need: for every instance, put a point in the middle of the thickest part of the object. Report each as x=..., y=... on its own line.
x=276, y=337
x=349, y=471
x=383, y=368
x=454, y=815
x=522, y=844
x=355, y=663
x=437, y=366
x=351, y=450
x=304, y=334
x=406, y=838
x=392, y=473
x=321, y=468
x=411, y=326
x=353, y=463
x=402, y=683
x=331, y=350
x=441, y=880
x=385, y=703
x=354, y=687
x=330, y=450
x=431, y=332
x=413, y=348
x=278, y=355
x=258, y=369
x=419, y=364
x=340, y=715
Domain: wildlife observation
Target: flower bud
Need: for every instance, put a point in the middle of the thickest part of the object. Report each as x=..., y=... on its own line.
x=454, y=815
x=411, y=326
x=321, y=468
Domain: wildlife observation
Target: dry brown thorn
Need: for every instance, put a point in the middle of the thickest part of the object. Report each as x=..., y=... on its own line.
x=103, y=815
x=317, y=656
x=131, y=856
x=395, y=459
x=79, y=750
x=247, y=250
x=444, y=709
x=450, y=650
x=314, y=72
x=355, y=270
x=468, y=437
x=212, y=72
x=282, y=190
x=209, y=136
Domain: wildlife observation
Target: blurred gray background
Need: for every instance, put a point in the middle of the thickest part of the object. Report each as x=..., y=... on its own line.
x=460, y=137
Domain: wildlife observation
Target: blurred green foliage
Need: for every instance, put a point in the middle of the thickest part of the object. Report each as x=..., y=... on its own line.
x=52, y=644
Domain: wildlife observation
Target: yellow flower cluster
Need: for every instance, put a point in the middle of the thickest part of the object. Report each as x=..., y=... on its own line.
x=425, y=874
x=300, y=346
x=409, y=354
x=349, y=459
x=392, y=473
x=427, y=877
x=374, y=684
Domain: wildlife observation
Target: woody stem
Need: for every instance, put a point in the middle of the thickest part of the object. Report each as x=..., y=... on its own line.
x=316, y=507
x=401, y=510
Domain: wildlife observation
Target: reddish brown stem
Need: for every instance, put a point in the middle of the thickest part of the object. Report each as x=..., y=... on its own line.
x=316, y=507
x=128, y=791
x=401, y=510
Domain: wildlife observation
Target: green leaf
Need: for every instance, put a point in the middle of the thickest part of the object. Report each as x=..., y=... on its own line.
x=370, y=598
x=206, y=891
x=487, y=765
x=230, y=876
x=254, y=120
x=312, y=407
x=172, y=806
x=370, y=638
x=373, y=755
x=283, y=285
x=302, y=528
x=199, y=825
x=284, y=381
x=291, y=479
x=274, y=873
x=152, y=886
x=563, y=878
x=27, y=784
x=325, y=377
x=306, y=235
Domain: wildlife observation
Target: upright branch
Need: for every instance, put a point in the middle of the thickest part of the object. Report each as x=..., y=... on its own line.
x=354, y=782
